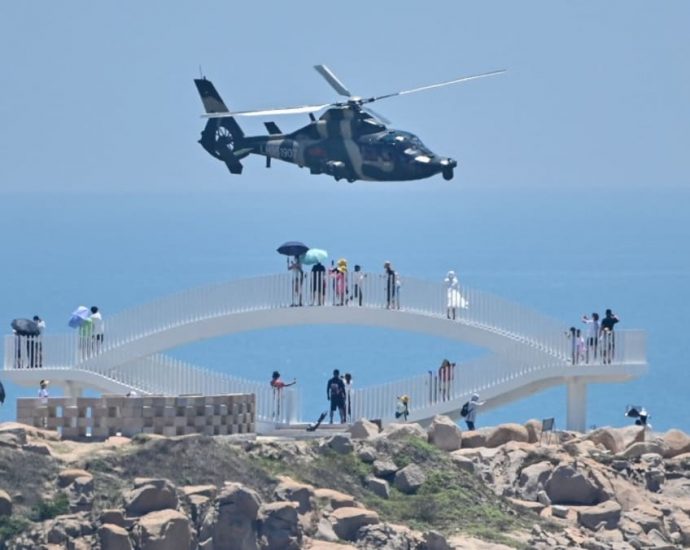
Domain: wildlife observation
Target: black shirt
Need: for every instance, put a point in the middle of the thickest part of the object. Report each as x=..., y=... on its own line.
x=335, y=389
x=607, y=323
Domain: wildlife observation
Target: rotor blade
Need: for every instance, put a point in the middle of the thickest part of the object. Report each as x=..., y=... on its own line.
x=430, y=86
x=333, y=80
x=267, y=112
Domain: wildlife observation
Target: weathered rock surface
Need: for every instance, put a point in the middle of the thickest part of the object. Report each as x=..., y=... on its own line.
x=384, y=467
x=675, y=443
x=378, y=486
x=335, y=499
x=396, y=432
x=409, y=479
x=5, y=504
x=164, y=530
x=445, y=434
x=290, y=490
x=363, y=429
x=507, y=432
x=533, y=479
x=231, y=521
x=279, y=527
x=474, y=439
x=566, y=485
x=150, y=495
x=533, y=428
x=607, y=513
x=114, y=537
x=347, y=521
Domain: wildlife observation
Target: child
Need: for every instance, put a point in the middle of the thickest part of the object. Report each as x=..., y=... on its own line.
x=402, y=408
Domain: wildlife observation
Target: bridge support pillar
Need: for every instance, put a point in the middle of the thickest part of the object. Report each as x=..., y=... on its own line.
x=577, y=405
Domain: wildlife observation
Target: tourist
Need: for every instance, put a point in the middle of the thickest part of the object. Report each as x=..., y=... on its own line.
x=35, y=344
x=571, y=334
x=472, y=406
x=97, y=329
x=452, y=294
x=335, y=393
x=581, y=346
x=390, y=275
x=341, y=282
x=607, y=336
x=43, y=391
x=318, y=284
x=402, y=409
x=592, y=338
x=297, y=278
x=445, y=378
x=359, y=284
x=277, y=384
x=85, y=334
x=348, y=396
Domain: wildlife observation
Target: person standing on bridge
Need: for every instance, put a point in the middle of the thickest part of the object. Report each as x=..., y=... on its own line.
x=277, y=384
x=297, y=279
x=391, y=287
x=472, y=405
x=335, y=393
x=592, y=335
x=607, y=336
x=97, y=329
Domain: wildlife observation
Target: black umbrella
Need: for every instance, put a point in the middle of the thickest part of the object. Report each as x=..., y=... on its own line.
x=25, y=327
x=2, y=394
x=292, y=248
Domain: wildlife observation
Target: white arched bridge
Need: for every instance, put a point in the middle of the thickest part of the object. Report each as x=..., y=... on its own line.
x=528, y=352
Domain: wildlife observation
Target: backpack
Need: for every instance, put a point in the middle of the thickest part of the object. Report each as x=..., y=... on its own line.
x=465, y=409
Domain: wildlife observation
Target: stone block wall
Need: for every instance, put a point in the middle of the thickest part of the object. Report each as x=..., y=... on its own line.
x=109, y=415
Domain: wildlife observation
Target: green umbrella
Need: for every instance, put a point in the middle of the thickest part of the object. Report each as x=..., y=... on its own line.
x=314, y=256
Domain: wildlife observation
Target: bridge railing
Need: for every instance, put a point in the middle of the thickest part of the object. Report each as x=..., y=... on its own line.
x=483, y=374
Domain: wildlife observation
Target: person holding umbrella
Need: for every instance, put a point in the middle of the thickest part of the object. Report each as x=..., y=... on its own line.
x=294, y=249
x=24, y=330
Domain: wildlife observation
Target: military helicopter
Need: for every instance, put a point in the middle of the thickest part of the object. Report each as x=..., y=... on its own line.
x=348, y=141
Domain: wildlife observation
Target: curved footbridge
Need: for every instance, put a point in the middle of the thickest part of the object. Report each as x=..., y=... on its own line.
x=528, y=352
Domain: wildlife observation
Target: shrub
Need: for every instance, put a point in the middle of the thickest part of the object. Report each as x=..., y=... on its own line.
x=48, y=509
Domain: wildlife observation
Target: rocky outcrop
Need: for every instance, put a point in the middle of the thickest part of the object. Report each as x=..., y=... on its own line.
x=150, y=495
x=164, y=530
x=114, y=537
x=279, y=527
x=507, y=432
x=607, y=515
x=232, y=519
x=533, y=479
x=474, y=439
x=444, y=434
x=363, y=429
x=290, y=490
x=334, y=499
x=674, y=443
x=397, y=432
x=568, y=485
x=409, y=479
x=378, y=486
x=347, y=521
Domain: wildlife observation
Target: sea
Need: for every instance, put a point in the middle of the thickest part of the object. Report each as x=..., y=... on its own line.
x=562, y=251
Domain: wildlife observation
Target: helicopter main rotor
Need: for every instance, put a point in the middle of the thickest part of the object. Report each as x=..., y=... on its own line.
x=352, y=101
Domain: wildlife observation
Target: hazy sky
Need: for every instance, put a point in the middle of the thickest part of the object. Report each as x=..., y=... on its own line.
x=99, y=96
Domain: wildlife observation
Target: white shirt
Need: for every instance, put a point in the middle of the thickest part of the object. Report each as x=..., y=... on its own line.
x=97, y=326
x=43, y=395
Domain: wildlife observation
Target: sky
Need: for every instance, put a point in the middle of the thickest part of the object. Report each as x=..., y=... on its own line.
x=98, y=96
x=99, y=119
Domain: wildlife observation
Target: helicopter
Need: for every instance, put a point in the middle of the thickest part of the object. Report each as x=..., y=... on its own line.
x=348, y=141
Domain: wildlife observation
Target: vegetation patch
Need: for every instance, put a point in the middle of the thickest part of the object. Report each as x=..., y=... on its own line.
x=11, y=527
x=51, y=508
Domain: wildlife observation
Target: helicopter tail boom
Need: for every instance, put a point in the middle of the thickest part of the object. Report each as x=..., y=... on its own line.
x=222, y=135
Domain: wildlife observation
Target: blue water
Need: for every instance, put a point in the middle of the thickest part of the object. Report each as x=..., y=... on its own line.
x=564, y=252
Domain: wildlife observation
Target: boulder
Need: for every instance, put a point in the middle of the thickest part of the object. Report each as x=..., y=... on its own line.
x=198, y=505
x=339, y=443
x=378, y=486
x=473, y=439
x=396, y=432
x=609, y=438
x=636, y=450
x=14, y=432
x=388, y=536
x=646, y=516
x=631, y=434
x=231, y=521
x=409, y=479
x=384, y=468
x=116, y=517
x=675, y=443
x=279, y=527
x=566, y=485
x=290, y=490
x=335, y=499
x=209, y=491
x=592, y=517
x=367, y=454
x=114, y=537
x=533, y=478
x=5, y=504
x=681, y=524
x=507, y=432
x=347, y=521
x=533, y=428
x=67, y=477
x=150, y=495
x=164, y=530
x=444, y=434
x=363, y=429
